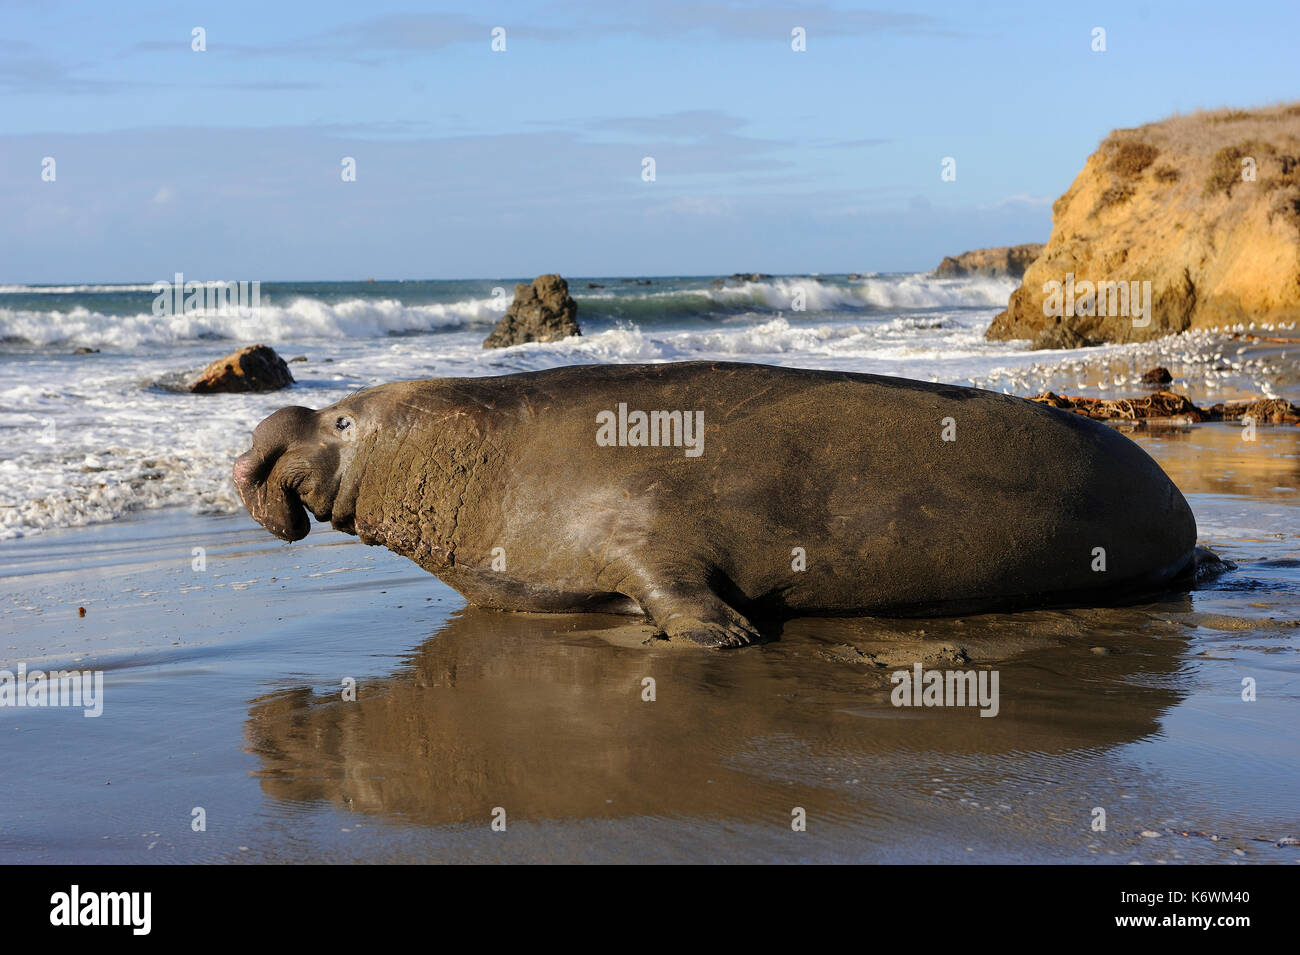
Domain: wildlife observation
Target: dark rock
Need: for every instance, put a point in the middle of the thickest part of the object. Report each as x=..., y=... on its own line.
x=1062, y=336
x=740, y=277
x=541, y=312
x=1007, y=260
x=1157, y=376
x=255, y=368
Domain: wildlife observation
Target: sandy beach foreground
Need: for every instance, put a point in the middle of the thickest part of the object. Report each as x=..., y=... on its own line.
x=224, y=682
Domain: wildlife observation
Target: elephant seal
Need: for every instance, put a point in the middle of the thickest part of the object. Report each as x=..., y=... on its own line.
x=706, y=493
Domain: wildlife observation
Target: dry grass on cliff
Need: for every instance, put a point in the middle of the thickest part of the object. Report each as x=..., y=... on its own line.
x=1112, y=197
x=1225, y=165
x=1207, y=130
x=1208, y=147
x=1131, y=158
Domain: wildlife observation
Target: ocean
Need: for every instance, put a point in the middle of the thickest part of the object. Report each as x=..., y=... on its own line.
x=88, y=437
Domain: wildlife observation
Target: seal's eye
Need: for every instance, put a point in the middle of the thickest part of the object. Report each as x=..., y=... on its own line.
x=342, y=424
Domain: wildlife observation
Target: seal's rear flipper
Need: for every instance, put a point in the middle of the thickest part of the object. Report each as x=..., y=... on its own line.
x=1207, y=566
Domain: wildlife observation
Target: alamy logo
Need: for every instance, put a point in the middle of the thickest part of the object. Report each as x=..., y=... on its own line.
x=81, y=688
x=946, y=688
x=652, y=429
x=75, y=907
x=180, y=297
x=1101, y=299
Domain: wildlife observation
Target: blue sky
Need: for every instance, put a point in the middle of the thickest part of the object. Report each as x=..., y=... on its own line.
x=474, y=163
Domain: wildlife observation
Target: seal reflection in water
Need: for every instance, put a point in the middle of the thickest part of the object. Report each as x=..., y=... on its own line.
x=710, y=494
x=548, y=717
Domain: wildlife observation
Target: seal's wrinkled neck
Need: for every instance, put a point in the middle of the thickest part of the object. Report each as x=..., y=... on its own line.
x=413, y=481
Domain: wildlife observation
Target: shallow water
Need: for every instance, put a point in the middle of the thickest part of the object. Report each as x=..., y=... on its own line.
x=223, y=691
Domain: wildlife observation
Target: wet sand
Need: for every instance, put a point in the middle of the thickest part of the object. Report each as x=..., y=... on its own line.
x=223, y=691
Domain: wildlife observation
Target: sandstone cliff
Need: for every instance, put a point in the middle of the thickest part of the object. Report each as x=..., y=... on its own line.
x=1205, y=208
x=1009, y=260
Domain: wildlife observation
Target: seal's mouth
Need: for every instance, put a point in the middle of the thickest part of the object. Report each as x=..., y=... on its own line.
x=273, y=503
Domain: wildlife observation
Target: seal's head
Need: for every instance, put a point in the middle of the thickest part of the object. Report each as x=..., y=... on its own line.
x=300, y=462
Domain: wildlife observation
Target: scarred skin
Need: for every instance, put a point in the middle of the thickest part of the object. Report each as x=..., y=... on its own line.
x=892, y=519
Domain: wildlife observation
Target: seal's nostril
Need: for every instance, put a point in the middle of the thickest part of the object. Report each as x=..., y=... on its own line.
x=251, y=469
x=244, y=468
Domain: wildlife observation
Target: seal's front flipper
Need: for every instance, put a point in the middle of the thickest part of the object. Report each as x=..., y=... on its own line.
x=733, y=632
x=695, y=614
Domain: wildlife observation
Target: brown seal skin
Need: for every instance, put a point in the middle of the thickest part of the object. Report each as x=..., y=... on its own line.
x=499, y=487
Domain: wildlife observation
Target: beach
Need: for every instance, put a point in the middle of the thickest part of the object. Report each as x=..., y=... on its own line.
x=226, y=675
